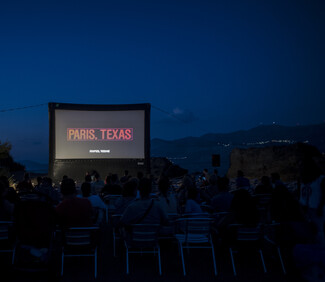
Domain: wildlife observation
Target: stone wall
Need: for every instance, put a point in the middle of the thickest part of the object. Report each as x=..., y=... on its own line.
x=288, y=161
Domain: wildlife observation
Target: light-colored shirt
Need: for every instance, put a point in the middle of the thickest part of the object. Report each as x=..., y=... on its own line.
x=192, y=207
x=135, y=211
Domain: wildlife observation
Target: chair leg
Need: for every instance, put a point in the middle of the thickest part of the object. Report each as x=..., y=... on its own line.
x=262, y=258
x=232, y=261
x=282, y=264
x=114, y=243
x=184, y=272
x=214, y=260
x=96, y=262
x=159, y=260
x=127, y=261
x=62, y=262
x=13, y=256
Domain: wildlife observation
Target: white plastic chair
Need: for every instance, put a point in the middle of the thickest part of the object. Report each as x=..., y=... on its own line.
x=80, y=242
x=249, y=237
x=6, y=241
x=272, y=227
x=116, y=230
x=142, y=239
x=195, y=233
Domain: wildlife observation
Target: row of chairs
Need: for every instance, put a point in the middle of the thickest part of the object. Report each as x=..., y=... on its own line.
x=144, y=238
x=194, y=232
x=76, y=242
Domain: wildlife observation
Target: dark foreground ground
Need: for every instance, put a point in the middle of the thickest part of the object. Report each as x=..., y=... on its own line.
x=145, y=267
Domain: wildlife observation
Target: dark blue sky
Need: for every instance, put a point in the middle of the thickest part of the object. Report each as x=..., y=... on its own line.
x=218, y=66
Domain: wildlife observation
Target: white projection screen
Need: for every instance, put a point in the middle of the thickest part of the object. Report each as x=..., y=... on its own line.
x=103, y=138
x=99, y=134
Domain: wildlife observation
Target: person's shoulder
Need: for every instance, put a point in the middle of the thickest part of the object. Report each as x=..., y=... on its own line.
x=135, y=203
x=84, y=201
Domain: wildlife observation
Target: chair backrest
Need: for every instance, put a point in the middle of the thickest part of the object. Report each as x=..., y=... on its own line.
x=168, y=231
x=5, y=232
x=110, y=201
x=199, y=215
x=263, y=200
x=199, y=225
x=80, y=236
x=98, y=215
x=196, y=226
x=143, y=235
x=116, y=219
x=244, y=233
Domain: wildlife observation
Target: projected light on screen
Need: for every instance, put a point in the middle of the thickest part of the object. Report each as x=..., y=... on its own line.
x=99, y=134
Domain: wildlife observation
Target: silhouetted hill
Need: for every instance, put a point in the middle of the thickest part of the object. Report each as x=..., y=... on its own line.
x=194, y=153
x=36, y=167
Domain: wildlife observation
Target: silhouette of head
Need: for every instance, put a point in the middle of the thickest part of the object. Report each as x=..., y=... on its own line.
x=86, y=189
x=68, y=187
x=144, y=187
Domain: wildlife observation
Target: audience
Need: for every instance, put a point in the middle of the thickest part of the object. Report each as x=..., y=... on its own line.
x=128, y=196
x=301, y=220
x=73, y=211
x=11, y=195
x=97, y=184
x=112, y=186
x=244, y=208
x=26, y=185
x=96, y=202
x=275, y=179
x=46, y=188
x=241, y=181
x=264, y=187
x=192, y=205
x=6, y=208
x=145, y=209
x=221, y=202
x=167, y=200
x=125, y=177
x=211, y=190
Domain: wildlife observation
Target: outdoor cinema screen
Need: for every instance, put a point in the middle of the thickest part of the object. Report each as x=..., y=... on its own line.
x=103, y=134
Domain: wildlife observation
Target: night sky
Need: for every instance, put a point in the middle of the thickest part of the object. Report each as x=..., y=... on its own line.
x=214, y=66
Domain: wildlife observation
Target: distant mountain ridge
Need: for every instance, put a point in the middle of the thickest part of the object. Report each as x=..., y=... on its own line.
x=36, y=167
x=195, y=153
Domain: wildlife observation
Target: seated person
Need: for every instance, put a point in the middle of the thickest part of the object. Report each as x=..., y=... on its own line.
x=73, y=211
x=46, y=188
x=96, y=202
x=265, y=186
x=192, y=205
x=241, y=181
x=6, y=208
x=222, y=201
x=211, y=190
x=112, y=187
x=128, y=196
x=11, y=195
x=97, y=184
x=26, y=185
x=144, y=210
x=244, y=208
x=126, y=177
x=167, y=201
